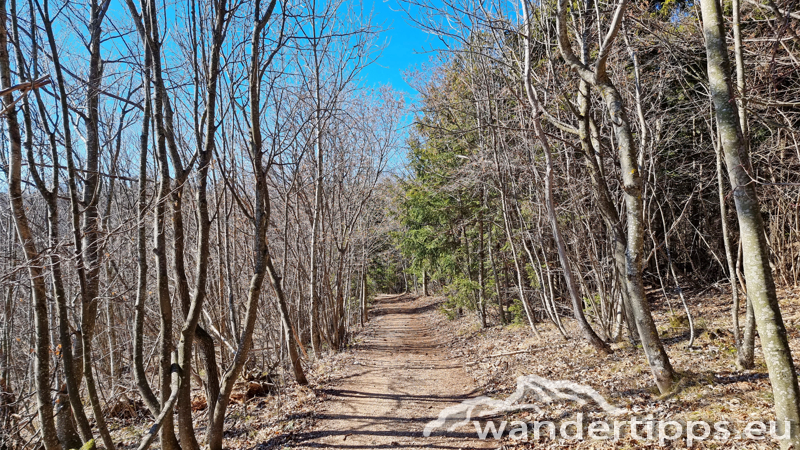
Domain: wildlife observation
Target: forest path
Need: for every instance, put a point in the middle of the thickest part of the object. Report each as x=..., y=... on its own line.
x=401, y=376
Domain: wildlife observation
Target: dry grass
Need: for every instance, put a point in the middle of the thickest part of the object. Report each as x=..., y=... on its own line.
x=711, y=388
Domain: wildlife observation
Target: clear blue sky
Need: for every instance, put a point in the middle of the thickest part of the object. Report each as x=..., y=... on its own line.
x=405, y=47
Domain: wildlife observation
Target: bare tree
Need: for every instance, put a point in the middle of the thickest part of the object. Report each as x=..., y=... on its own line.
x=25, y=235
x=760, y=284
x=598, y=77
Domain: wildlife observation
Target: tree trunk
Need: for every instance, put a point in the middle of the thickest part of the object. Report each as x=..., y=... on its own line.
x=500, y=310
x=260, y=219
x=654, y=349
x=760, y=284
x=191, y=331
x=314, y=326
x=70, y=409
x=514, y=256
x=44, y=404
x=597, y=76
x=481, y=270
x=608, y=210
x=339, y=312
x=746, y=346
x=139, y=374
x=425, y=283
x=91, y=196
x=168, y=439
x=577, y=303
x=286, y=325
x=364, y=287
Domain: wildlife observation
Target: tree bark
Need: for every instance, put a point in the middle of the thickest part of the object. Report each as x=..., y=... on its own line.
x=760, y=283
x=261, y=254
x=313, y=288
x=597, y=77
x=294, y=356
x=70, y=409
x=425, y=283
x=577, y=303
x=514, y=256
x=91, y=197
x=500, y=310
x=139, y=374
x=481, y=269
x=189, y=331
x=746, y=346
x=44, y=406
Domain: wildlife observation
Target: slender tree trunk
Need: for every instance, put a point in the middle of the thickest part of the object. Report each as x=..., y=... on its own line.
x=364, y=289
x=546, y=285
x=190, y=330
x=233, y=316
x=44, y=404
x=70, y=408
x=167, y=434
x=654, y=349
x=425, y=283
x=261, y=255
x=339, y=312
x=760, y=284
x=749, y=336
x=85, y=236
x=91, y=197
x=597, y=76
x=746, y=346
x=671, y=268
x=278, y=282
x=608, y=209
x=481, y=269
x=500, y=310
x=577, y=303
x=517, y=266
x=215, y=431
x=72, y=384
x=168, y=439
x=139, y=374
x=167, y=410
x=314, y=326
x=286, y=325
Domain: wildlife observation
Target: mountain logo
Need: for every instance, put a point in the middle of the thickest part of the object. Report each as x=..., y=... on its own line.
x=544, y=390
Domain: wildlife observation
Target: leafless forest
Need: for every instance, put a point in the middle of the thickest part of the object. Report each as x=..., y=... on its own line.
x=197, y=193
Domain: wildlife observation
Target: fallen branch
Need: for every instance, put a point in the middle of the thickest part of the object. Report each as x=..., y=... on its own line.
x=527, y=350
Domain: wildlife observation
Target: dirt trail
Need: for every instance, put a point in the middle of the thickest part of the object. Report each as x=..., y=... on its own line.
x=401, y=377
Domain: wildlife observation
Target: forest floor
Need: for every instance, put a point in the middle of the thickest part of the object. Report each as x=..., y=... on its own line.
x=410, y=362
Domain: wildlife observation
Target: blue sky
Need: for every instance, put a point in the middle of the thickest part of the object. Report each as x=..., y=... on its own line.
x=405, y=47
